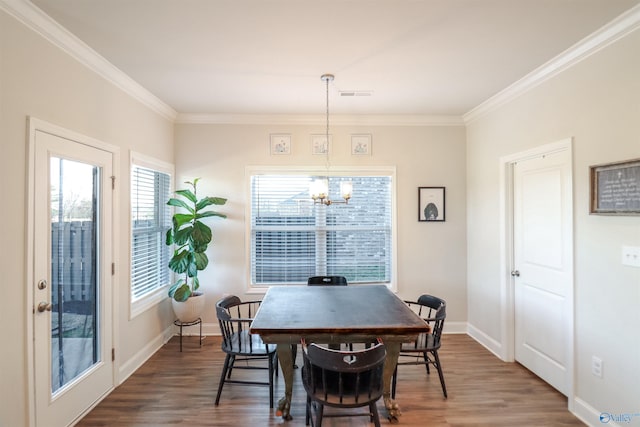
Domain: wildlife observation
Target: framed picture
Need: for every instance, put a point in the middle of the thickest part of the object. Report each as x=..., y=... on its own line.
x=280, y=144
x=320, y=145
x=615, y=188
x=431, y=204
x=361, y=145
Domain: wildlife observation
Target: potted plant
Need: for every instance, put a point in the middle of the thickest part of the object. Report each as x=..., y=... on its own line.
x=191, y=237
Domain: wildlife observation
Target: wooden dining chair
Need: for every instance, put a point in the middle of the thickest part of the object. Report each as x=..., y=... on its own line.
x=342, y=379
x=327, y=281
x=424, y=350
x=322, y=281
x=235, y=317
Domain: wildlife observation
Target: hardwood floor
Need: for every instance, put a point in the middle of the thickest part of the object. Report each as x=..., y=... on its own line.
x=178, y=389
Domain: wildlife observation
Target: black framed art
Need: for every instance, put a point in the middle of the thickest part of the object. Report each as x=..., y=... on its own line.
x=431, y=204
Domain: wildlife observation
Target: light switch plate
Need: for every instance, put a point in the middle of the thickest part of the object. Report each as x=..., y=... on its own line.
x=631, y=256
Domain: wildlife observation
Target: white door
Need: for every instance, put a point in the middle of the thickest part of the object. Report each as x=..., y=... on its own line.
x=543, y=274
x=72, y=295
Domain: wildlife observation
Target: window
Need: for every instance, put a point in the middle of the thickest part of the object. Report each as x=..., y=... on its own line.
x=293, y=239
x=150, y=219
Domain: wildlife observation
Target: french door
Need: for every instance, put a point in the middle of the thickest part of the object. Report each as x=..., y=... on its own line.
x=72, y=293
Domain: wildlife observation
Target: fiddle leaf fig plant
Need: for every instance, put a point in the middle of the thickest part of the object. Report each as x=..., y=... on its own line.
x=191, y=237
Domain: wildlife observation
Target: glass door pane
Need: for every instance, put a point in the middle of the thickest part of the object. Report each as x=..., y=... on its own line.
x=74, y=271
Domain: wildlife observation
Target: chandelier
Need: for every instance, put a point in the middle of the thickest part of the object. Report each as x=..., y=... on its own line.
x=319, y=188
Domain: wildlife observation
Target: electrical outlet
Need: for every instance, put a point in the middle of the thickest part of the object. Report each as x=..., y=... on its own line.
x=631, y=256
x=596, y=366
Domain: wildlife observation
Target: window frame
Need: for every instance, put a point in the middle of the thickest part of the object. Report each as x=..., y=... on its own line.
x=158, y=294
x=250, y=171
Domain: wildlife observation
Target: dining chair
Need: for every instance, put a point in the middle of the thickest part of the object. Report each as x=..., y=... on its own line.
x=342, y=379
x=323, y=281
x=424, y=350
x=235, y=317
x=327, y=281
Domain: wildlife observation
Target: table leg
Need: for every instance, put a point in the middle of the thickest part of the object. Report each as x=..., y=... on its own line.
x=393, y=350
x=286, y=364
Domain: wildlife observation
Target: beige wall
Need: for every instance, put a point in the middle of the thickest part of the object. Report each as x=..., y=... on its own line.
x=39, y=80
x=431, y=256
x=597, y=103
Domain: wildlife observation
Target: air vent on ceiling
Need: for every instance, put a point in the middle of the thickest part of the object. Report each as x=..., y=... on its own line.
x=356, y=93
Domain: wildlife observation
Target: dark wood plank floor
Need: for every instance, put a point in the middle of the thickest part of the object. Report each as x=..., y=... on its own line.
x=178, y=389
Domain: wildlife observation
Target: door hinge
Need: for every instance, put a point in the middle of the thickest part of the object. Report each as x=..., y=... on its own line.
x=113, y=354
x=113, y=182
x=113, y=268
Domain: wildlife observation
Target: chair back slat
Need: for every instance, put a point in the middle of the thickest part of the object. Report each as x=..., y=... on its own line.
x=343, y=378
x=327, y=281
x=234, y=318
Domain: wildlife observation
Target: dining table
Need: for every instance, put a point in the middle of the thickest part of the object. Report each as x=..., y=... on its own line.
x=335, y=315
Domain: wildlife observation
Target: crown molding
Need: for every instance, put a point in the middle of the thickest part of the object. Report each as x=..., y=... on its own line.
x=35, y=19
x=338, y=120
x=621, y=26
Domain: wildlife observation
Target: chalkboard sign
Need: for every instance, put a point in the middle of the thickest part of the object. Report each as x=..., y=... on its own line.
x=615, y=188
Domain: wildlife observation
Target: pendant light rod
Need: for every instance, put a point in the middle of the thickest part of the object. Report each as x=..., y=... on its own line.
x=320, y=187
x=327, y=78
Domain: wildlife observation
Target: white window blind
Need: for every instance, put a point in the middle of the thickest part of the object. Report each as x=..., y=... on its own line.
x=293, y=239
x=150, y=219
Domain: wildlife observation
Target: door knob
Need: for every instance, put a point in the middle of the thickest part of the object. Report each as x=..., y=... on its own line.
x=515, y=273
x=44, y=306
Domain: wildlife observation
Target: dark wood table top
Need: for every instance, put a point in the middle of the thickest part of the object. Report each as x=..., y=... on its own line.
x=356, y=310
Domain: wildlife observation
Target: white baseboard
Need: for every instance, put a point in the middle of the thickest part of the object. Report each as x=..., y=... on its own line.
x=485, y=340
x=594, y=417
x=130, y=366
x=455, y=328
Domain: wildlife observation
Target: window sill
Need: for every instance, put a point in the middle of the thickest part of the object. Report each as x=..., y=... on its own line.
x=146, y=302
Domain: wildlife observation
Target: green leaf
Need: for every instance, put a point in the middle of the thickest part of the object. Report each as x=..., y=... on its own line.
x=172, y=289
x=181, y=219
x=201, y=233
x=180, y=203
x=192, y=268
x=208, y=201
x=187, y=194
x=180, y=261
x=208, y=214
x=182, y=293
x=196, y=284
x=169, y=238
x=183, y=235
x=199, y=247
x=201, y=260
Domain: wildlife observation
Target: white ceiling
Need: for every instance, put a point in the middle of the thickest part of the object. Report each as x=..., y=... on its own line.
x=417, y=57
